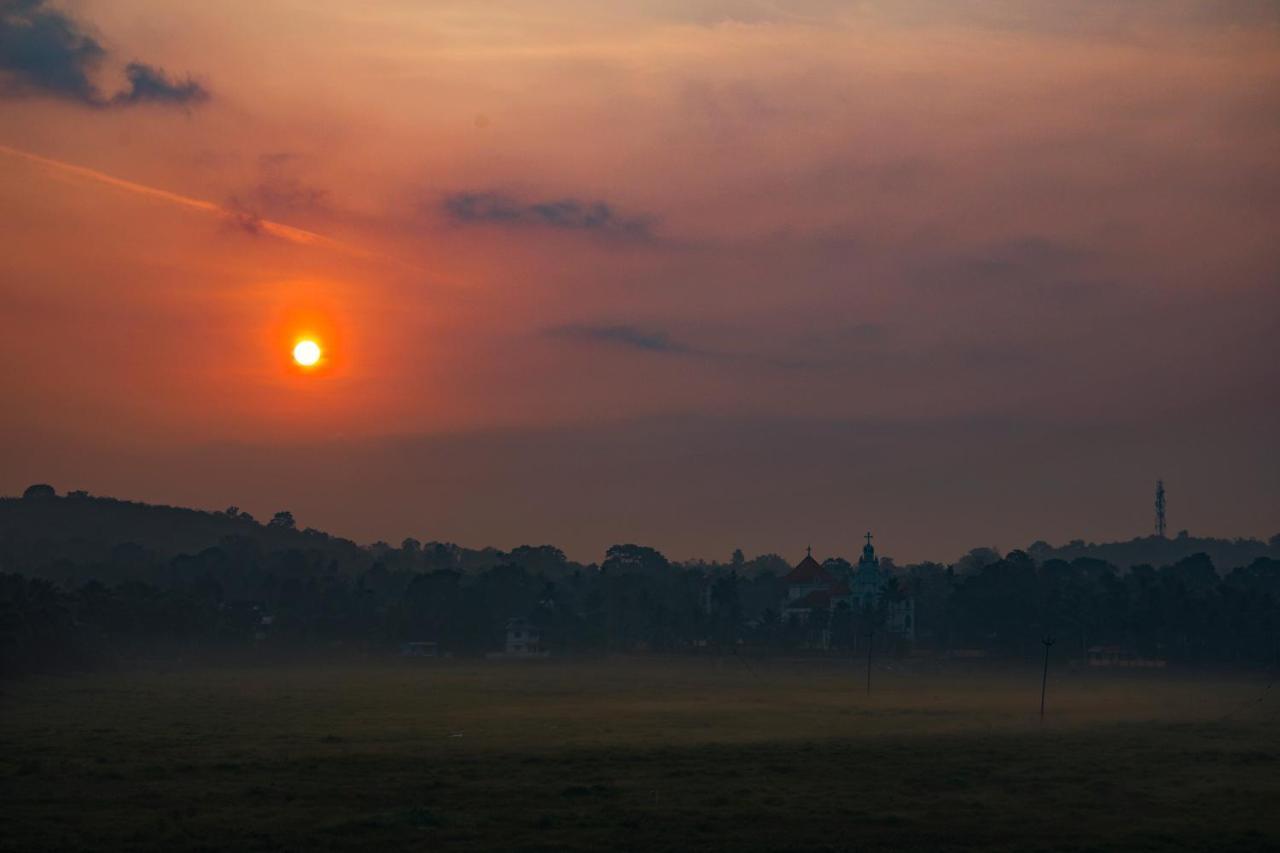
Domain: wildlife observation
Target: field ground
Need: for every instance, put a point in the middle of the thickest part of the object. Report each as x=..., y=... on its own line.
x=637, y=754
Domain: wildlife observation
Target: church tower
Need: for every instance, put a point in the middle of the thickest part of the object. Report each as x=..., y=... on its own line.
x=869, y=557
x=868, y=583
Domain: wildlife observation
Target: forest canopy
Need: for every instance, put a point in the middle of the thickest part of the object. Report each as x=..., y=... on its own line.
x=87, y=579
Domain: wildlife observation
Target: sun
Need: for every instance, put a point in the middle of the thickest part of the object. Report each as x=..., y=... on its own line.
x=307, y=353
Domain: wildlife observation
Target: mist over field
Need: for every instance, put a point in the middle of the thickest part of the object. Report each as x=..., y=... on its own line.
x=178, y=679
x=638, y=753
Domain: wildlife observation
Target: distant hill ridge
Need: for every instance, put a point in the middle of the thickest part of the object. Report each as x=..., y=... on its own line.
x=1226, y=554
x=43, y=527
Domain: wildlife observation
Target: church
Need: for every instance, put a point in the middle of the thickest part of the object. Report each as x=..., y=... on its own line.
x=864, y=588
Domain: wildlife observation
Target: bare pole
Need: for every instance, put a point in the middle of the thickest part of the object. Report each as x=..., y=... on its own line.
x=870, y=638
x=1044, y=680
x=1160, y=508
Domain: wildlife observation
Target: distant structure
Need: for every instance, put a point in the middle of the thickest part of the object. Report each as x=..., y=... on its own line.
x=1121, y=656
x=420, y=649
x=863, y=589
x=1160, y=508
x=524, y=641
x=523, y=637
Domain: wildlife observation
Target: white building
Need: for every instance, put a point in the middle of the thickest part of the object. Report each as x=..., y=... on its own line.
x=523, y=639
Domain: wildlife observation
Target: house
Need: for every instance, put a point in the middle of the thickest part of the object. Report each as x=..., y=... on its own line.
x=524, y=641
x=523, y=637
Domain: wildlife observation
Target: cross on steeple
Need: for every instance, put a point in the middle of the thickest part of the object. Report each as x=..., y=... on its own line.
x=868, y=537
x=808, y=550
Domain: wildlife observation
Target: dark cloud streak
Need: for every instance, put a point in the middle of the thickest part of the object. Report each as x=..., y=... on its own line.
x=624, y=335
x=43, y=51
x=148, y=84
x=569, y=214
x=1026, y=268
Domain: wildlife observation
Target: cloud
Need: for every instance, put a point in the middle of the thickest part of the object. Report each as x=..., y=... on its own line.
x=278, y=192
x=719, y=13
x=1030, y=266
x=631, y=337
x=292, y=194
x=244, y=219
x=44, y=51
x=1121, y=19
x=148, y=84
x=1029, y=253
x=855, y=343
x=570, y=214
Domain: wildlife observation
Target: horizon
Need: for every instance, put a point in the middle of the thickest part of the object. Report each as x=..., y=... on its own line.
x=397, y=543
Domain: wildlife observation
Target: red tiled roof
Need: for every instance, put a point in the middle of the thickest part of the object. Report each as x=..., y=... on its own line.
x=809, y=571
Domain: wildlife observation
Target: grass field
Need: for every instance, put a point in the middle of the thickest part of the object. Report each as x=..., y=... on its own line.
x=636, y=755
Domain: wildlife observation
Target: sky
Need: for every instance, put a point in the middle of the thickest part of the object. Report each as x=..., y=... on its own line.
x=702, y=275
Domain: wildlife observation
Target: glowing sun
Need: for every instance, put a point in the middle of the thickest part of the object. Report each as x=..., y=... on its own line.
x=306, y=353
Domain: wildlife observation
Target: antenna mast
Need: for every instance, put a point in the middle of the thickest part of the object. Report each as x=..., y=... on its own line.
x=1160, y=508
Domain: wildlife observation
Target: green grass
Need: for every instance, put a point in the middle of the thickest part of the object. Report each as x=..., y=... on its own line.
x=635, y=755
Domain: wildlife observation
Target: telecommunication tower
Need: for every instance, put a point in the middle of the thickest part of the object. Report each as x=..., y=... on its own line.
x=1160, y=508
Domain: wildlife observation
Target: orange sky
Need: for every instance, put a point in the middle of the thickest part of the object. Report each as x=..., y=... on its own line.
x=698, y=274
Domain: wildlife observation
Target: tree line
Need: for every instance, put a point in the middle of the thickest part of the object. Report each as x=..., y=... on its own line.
x=238, y=595
x=87, y=580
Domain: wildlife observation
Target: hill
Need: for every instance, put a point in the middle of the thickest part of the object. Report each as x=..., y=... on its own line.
x=1161, y=551
x=44, y=534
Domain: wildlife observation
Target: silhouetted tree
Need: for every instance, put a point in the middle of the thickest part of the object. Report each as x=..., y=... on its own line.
x=633, y=558
x=283, y=520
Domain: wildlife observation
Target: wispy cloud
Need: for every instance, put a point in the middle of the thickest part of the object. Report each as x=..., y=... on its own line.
x=570, y=214
x=253, y=223
x=1027, y=267
x=44, y=51
x=623, y=335
x=278, y=192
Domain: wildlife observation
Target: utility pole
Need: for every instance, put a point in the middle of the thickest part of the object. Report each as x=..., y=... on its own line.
x=870, y=643
x=1044, y=681
x=1160, y=508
